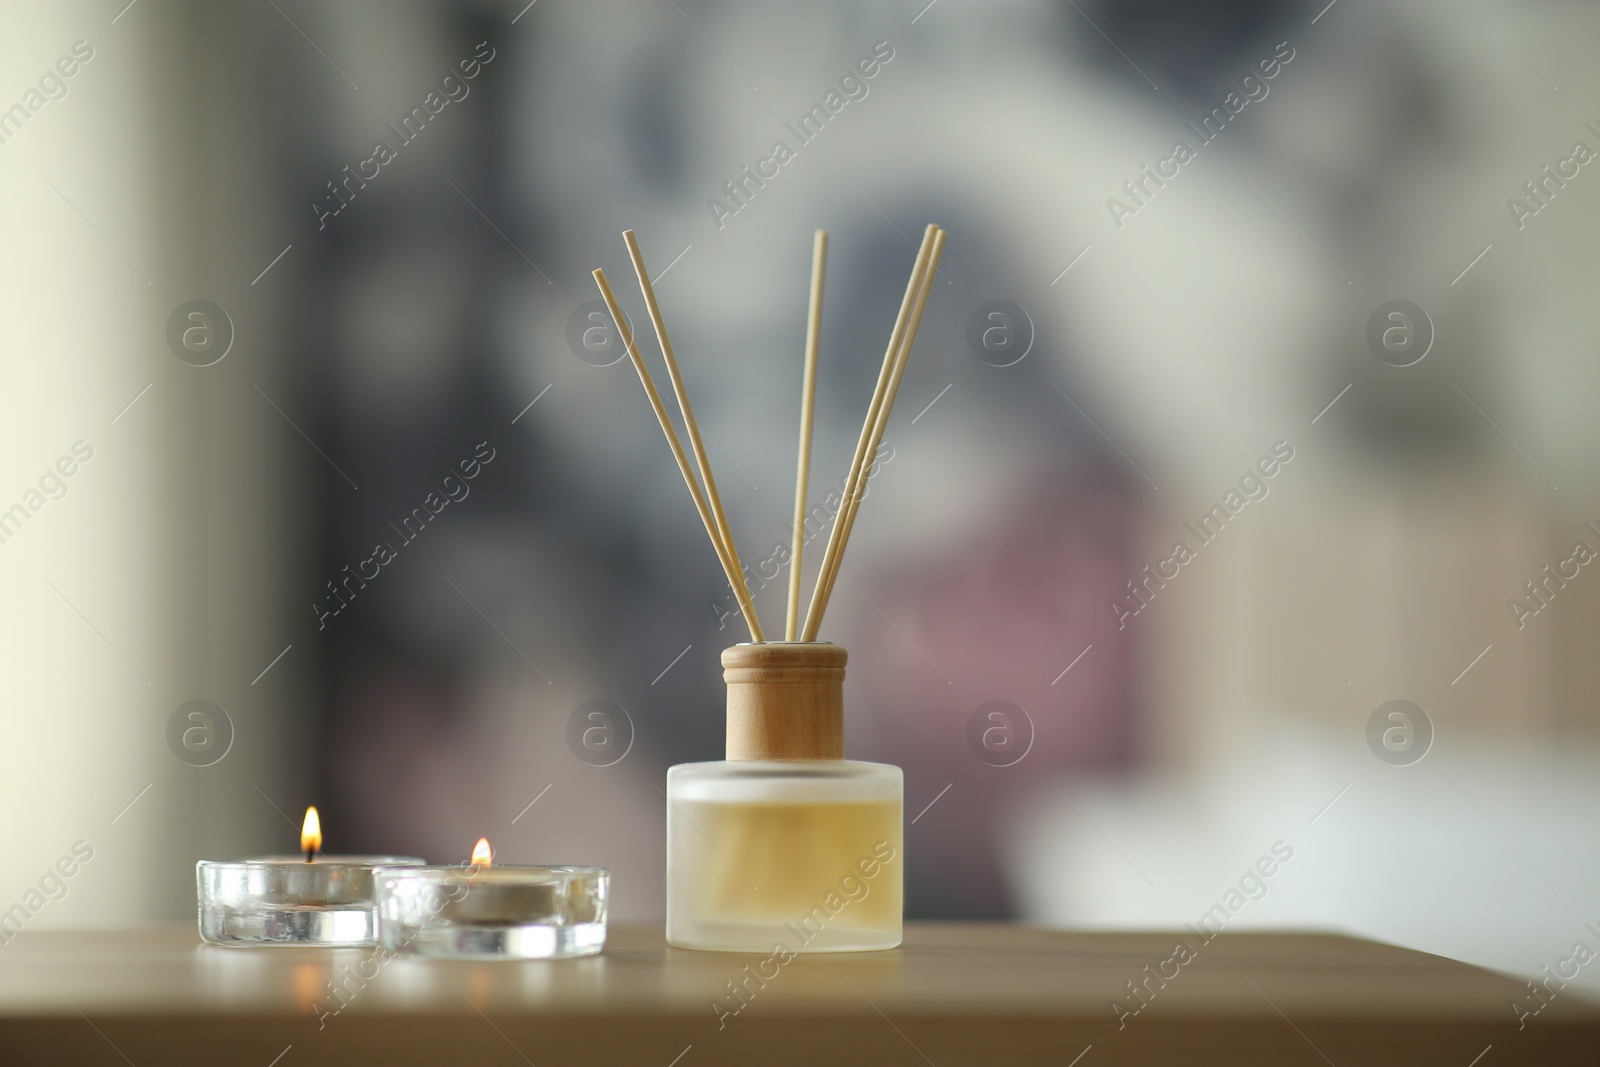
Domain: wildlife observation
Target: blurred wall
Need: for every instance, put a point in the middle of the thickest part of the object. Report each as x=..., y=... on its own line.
x=151, y=580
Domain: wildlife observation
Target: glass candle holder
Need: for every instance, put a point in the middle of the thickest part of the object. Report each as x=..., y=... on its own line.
x=785, y=842
x=286, y=901
x=504, y=912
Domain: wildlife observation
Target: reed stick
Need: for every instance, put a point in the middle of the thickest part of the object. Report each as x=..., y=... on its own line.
x=895, y=360
x=813, y=616
x=741, y=590
x=854, y=503
x=808, y=396
x=741, y=586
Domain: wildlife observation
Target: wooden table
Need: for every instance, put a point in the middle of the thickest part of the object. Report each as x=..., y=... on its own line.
x=954, y=995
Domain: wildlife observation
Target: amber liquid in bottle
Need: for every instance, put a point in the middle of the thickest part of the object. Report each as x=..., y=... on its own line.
x=807, y=854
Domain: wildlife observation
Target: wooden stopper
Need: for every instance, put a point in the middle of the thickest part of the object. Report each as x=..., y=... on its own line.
x=785, y=700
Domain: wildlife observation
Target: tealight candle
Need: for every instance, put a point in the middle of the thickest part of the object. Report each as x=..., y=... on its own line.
x=484, y=911
x=312, y=899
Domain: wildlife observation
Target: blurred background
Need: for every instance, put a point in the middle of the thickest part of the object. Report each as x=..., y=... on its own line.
x=286, y=284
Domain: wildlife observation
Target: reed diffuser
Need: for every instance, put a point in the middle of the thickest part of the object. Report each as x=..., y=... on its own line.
x=785, y=844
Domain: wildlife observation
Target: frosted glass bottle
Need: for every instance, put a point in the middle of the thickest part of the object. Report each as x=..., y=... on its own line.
x=786, y=842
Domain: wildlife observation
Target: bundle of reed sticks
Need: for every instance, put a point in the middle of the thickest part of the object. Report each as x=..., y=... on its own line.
x=708, y=502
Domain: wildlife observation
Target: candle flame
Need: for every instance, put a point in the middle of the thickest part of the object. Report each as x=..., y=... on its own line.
x=482, y=854
x=311, y=833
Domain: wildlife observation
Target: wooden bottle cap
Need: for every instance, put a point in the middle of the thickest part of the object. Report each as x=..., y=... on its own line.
x=785, y=700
